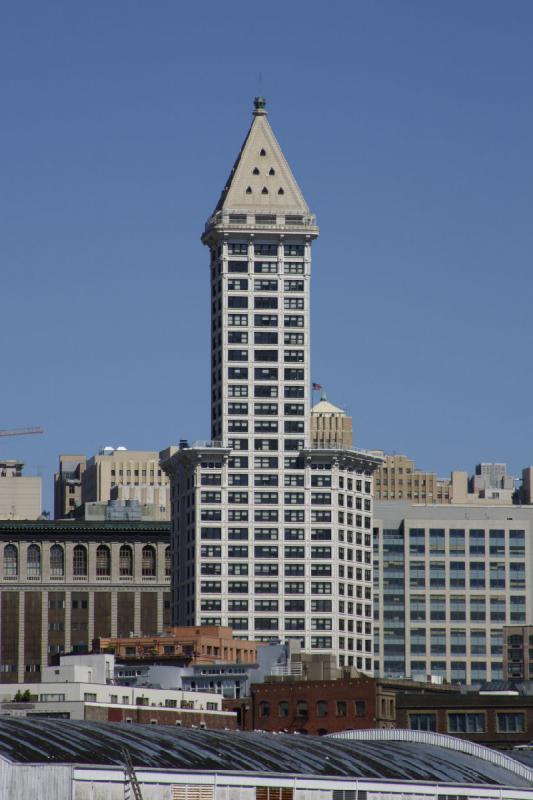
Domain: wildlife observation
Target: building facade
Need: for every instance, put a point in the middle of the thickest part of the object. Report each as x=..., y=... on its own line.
x=518, y=652
x=446, y=582
x=67, y=485
x=330, y=426
x=20, y=495
x=62, y=584
x=271, y=536
x=494, y=719
x=398, y=478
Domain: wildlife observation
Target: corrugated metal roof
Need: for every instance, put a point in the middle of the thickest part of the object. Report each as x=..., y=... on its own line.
x=163, y=747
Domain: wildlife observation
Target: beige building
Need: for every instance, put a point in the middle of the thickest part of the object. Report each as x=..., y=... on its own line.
x=399, y=479
x=330, y=425
x=20, y=496
x=67, y=485
x=116, y=475
x=63, y=584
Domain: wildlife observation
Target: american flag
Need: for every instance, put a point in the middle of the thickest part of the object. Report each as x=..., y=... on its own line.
x=317, y=387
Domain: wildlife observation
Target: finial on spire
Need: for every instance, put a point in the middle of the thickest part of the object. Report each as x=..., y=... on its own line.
x=259, y=106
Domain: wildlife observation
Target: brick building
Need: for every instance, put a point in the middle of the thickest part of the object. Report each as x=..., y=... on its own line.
x=187, y=644
x=495, y=719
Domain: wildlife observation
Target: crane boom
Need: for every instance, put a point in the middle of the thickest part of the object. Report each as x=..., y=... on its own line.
x=21, y=431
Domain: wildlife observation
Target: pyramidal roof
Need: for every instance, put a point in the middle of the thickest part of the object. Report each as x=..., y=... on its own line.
x=261, y=179
x=325, y=407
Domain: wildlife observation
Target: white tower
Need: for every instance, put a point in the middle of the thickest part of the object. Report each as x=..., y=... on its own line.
x=255, y=520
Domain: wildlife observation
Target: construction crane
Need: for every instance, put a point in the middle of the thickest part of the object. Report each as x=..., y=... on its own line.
x=21, y=431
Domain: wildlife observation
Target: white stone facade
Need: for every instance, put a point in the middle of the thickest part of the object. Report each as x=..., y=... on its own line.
x=270, y=537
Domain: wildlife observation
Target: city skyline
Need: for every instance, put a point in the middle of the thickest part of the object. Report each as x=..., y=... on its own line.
x=422, y=176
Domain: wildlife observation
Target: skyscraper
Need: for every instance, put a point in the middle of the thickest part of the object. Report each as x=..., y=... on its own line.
x=258, y=514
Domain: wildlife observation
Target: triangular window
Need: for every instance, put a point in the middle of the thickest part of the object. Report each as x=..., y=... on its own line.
x=249, y=190
x=271, y=171
x=264, y=190
x=263, y=152
x=255, y=171
x=280, y=191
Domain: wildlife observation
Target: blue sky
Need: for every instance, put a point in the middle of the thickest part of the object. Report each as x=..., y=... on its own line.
x=408, y=126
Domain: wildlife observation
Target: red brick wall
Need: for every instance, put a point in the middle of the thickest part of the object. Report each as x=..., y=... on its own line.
x=344, y=705
x=164, y=716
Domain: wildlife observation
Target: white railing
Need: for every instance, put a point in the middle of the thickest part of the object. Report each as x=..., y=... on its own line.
x=293, y=668
x=439, y=740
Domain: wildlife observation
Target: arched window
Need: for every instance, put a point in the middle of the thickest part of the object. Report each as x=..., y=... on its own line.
x=126, y=560
x=11, y=561
x=168, y=562
x=264, y=709
x=301, y=708
x=34, y=561
x=103, y=561
x=79, y=561
x=57, y=561
x=283, y=708
x=322, y=708
x=148, y=560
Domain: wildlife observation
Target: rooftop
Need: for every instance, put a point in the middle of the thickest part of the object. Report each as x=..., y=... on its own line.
x=384, y=758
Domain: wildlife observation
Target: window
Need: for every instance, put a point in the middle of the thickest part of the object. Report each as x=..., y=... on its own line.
x=360, y=708
x=57, y=561
x=321, y=642
x=33, y=561
x=283, y=708
x=148, y=561
x=79, y=561
x=322, y=708
x=301, y=708
x=477, y=542
x=103, y=561
x=238, y=320
x=238, y=301
x=11, y=561
x=238, y=266
x=423, y=722
x=264, y=302
x=510, y=722
x=466, y=723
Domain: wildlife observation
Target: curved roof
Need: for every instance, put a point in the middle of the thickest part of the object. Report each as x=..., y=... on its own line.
x=98, y=743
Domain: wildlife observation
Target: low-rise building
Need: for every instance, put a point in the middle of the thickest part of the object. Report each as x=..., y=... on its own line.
x=501, y=718
x=205, y=644
x=62, y=759
x=84, y=687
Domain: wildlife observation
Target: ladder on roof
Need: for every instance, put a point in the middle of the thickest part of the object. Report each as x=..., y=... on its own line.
x=130, y=777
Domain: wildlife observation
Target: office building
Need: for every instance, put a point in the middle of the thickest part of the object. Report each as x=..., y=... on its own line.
x=271, y=536
x=67, y=485
x=20, y=495
x=330, y=426
x=397, y=478
x=111, y=485
x=63, y=584
x=447, y=579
